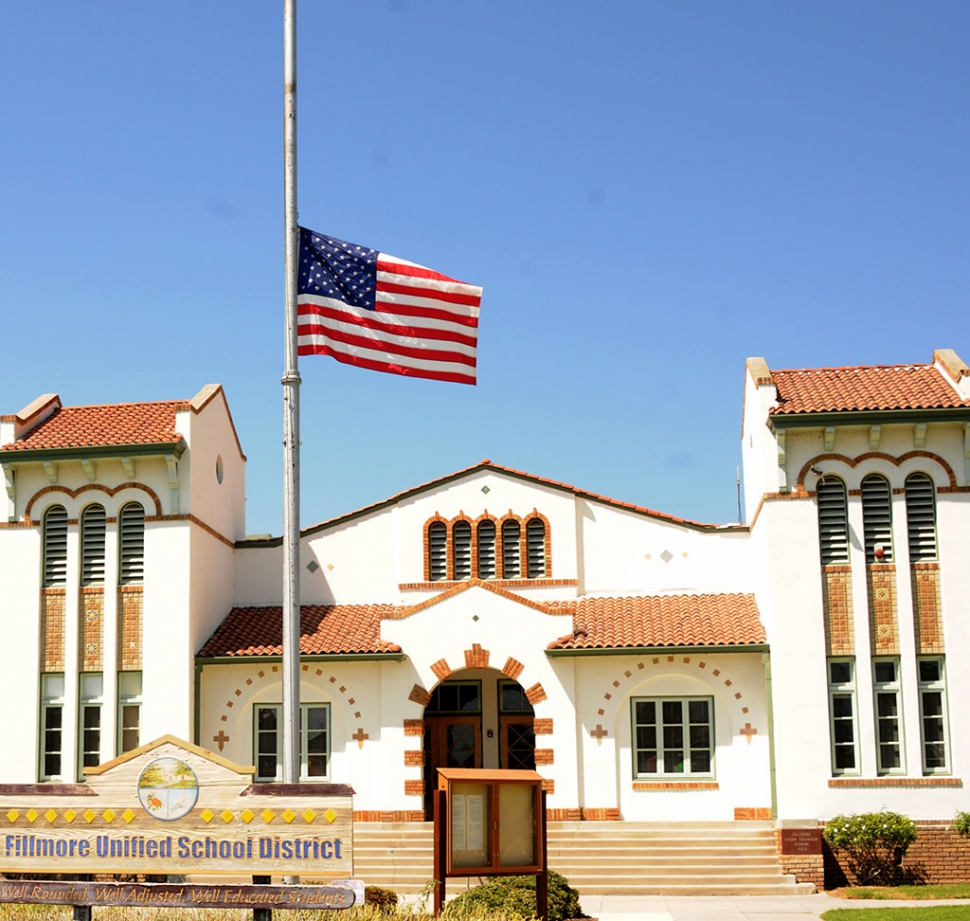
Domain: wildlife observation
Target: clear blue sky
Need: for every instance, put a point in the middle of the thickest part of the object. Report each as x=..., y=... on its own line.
x=649, y=192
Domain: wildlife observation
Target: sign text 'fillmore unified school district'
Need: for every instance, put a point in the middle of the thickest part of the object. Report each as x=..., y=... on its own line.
x=171, y=807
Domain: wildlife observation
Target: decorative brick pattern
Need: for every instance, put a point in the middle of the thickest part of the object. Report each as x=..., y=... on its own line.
x=544, y=756
x=563, y=815
x=535, y=694
x=853, y=461
x=413, y=758
x=53, y=602
x=837, y=610
x=398, y=815
x=413, y=727
x=441, y=669
x=752, y=813
x=927, y=608
x=414, y=788
x=130, y=609
x=512, y=668
x=806, y=868
x=91, y=633
x=476, y=657
x=661, y=786
x=549, y=785
x=419, y=696
x=883, y=620
x=895, y=782
x=89, y=487
x=600, y=815
x=542, y=727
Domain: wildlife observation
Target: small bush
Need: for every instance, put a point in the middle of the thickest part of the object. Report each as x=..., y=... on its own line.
x=874, y=844
x=382, y=899
x=515, y=897
x=961, y=824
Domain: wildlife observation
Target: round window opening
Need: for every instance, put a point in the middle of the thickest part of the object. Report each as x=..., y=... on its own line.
x=220, y=471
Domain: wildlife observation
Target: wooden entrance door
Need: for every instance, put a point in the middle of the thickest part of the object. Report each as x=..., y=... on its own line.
x=449, y=741
x=518, y=752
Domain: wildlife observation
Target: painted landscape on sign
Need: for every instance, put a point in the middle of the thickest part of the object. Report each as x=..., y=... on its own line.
x=168, y=788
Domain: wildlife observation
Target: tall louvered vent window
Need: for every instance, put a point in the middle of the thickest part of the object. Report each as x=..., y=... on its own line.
x=486, y=549
x=437, y=551
x=877, y=519
x=511, y=565
x=535, y=541
x=921, y=517
x=92, y=545
x=833, y=528
x=461, y=536
x=55, y=546
x=132, y=534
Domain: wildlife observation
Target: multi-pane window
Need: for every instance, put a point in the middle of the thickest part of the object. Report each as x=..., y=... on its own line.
x=51, y=726
x=673, y=736
x=512, y=698
x=461, y=538
x=842, y=714
x=511, y=563
x=132, y=544
x=486, y=549
x=535, y=541
x=129, y=711
x=437, y=551
x=886, y=695
x=921, y=517
x=92, y=545
x=314, y=741
x=833, y=527
x=877, y=519
x=90, y=694
x=55, y=546
x=932, y=714
x=456, y=697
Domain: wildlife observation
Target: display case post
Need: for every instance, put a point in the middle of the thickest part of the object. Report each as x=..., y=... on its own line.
x=440, y=846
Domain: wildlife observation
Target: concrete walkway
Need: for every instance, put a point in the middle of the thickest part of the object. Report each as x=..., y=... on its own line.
x=742, y=908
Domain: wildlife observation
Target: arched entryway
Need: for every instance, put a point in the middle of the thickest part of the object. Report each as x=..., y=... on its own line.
x=477, y=718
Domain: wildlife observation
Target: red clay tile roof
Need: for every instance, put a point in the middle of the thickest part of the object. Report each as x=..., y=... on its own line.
x=663, y=620
x=342, y=628
x=879, y=387
x=110, y=424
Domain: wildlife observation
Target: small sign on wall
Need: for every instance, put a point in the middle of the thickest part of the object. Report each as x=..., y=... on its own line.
x=795, y=841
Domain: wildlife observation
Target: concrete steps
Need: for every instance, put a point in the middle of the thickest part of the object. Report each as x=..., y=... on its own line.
x=604, y=858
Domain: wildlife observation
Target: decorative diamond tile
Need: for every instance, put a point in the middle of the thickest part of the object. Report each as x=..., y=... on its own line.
x=309, y=816
x=289, y=816
x=313, y=566
x=666, y=556
x=329, y=565
x=227, y=815
x=330, y=815
x=32, y=815
x=247, y=816
x=13, y=815
x=108, y=815
x=70, y=815
x=89, y=815
x=207, y=815
x=127, y=815
x=486, y=490
x=268, y=815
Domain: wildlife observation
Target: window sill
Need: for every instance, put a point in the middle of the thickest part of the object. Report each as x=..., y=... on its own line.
x=895, y=782
x=663, y=786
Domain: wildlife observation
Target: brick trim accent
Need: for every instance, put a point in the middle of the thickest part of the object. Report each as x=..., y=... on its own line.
x=414, y=788
x=414, y=727
x=663, y=786
x=88, y=487
x=873, y=455
x=752, y=813
x=883, y=619
x=535, y=513
x=464, y=586
x=397, y=815
x=542, y=727
x=590, y=814
x=513, y=668
x=476, y=657
x=927, y=608
x=420, y=695
x=544, y=756
x=895, y=782
x=837, y=610
x=53, y=609
x=564, y=815
x=549, y=785
x=441, y=669
x=91, y=629
x=535, y=694
x=413, y=757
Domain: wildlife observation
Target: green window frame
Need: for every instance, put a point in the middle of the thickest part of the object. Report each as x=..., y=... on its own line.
x=888, y=704
x=314, y=742
x=673, y=737
x=933, y=716
x=51, y=726
x=843, y=716
x=129, y=711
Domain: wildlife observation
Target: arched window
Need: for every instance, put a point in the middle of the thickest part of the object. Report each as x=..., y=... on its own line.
x=877, y=519
x=921, y=517
x=132, y=544
x=535, y=542
x=833, y=528
x=55, y=546
x=92, y=545
x=511, y=564
x=437, y=551
x=486, y=549
x=461, y=536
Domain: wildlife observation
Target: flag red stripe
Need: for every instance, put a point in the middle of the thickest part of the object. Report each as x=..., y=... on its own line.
x=415, y=271
x=379, y=345
x=412, y=332
x=408, y=310
x=450, y=297
x=454, y=377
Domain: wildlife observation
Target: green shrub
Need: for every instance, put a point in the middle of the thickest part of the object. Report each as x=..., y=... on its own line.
x=961, y=824
x=874, y=844
x=515, y=897
x=381, y=899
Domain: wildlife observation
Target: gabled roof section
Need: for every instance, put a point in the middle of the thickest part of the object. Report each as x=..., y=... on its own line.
x=497, y=468
x=663, y=620
x=324, y=629
x=873, y=388
x=178, y=743
x=476, y=583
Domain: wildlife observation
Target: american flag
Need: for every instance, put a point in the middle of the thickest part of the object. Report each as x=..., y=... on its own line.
x=375, y=311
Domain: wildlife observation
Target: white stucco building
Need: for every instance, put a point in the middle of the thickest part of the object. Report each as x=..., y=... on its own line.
x=649, y=667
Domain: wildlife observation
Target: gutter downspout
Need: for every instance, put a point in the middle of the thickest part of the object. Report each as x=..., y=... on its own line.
x=772, y=771
x=197, y=728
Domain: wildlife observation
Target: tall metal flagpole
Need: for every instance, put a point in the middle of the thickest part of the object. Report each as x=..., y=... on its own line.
x=291, y=419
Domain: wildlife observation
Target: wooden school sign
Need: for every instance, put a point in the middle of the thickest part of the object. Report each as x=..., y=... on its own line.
x=171, y=807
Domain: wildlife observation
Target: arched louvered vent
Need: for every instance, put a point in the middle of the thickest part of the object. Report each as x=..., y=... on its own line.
x=132, y=540
x=92, y=545
x=55, y=546
x=511, y=565
x=461, y=537
x=833, y=530
x=921, y=517
x=437, y=551
x=535, y=541
x=877, y=519
x=486, y=549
